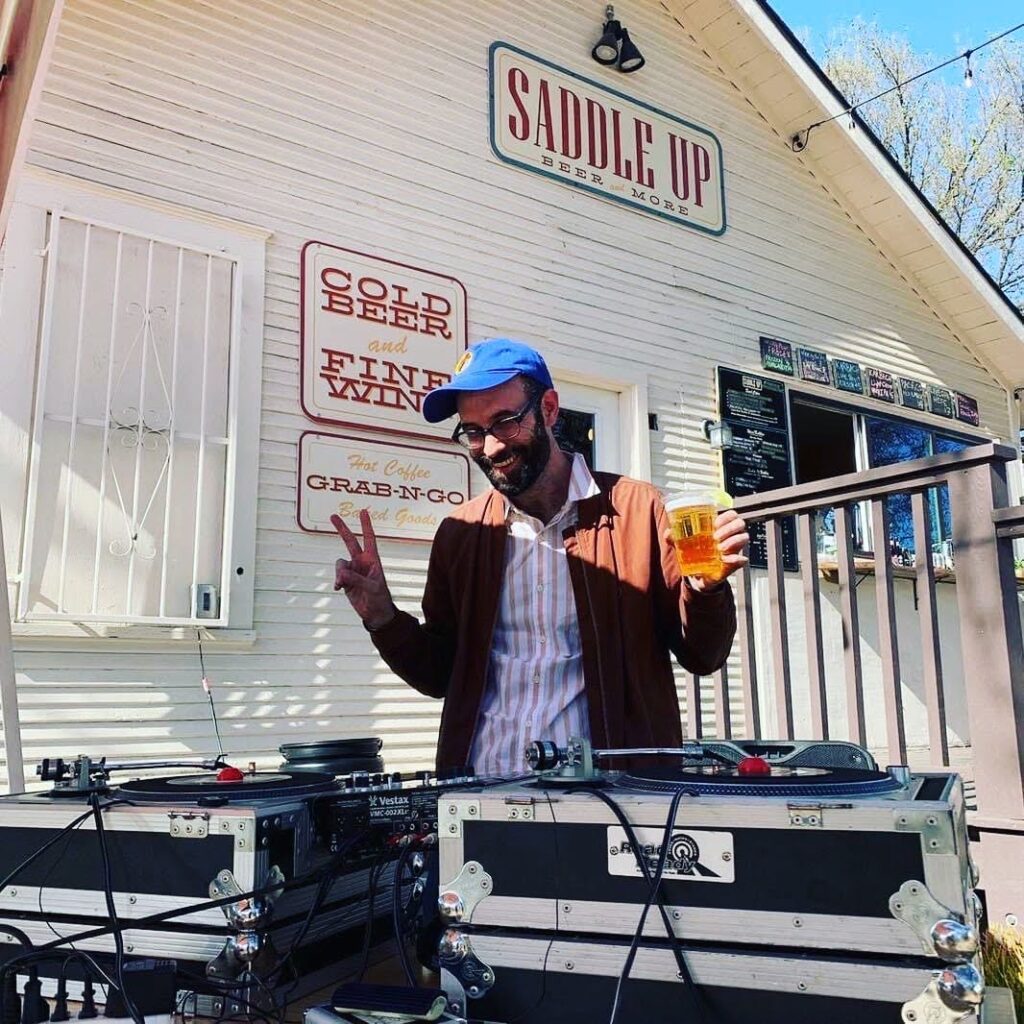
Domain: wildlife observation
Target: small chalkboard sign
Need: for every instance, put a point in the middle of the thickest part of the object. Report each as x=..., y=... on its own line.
x=758, y=459
x=813, y=366
x=751, y=399
x=881, y=385
x=967, y=409
x=847, y=376
x=912, y=394
x=940, y=401
x=777, y=355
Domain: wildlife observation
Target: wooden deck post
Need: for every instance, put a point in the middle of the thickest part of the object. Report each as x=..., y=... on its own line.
x=991, y=641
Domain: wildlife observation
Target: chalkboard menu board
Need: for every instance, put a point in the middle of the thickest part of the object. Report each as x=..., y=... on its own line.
x=759, y=459
x=777, y=355
x=967, y=410
x=912, y=394
x=881, y=385
x=940, y=401
x=814, y=366
x=848, y=376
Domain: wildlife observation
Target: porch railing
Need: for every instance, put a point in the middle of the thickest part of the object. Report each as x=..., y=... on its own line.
x=984, y=525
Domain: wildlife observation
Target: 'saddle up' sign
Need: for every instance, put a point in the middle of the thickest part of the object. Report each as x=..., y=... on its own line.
x=554, y=122
x=376, y=337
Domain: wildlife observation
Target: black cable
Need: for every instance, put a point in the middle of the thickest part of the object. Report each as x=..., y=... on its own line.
x=651, y=893
x=330, y=874
x=58, y=857
x=277, y=1007
x=70, y=827
x=78, y=954
x=229, y=994
x=55, y=949
x=375, y=872
x=310, y=878
x=17, y=933
x=677, y=950
x=108, y=892
x=396, y=913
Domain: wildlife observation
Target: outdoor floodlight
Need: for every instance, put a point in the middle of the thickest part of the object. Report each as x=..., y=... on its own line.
x=630, y=58
x=606, y=51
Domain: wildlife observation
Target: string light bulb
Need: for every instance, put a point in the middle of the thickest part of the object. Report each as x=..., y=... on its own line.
x=798, y=141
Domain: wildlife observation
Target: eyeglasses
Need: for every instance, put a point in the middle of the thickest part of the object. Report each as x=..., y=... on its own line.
x=506, y=428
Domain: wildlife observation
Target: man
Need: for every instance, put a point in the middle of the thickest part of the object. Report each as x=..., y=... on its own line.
x=554, y=600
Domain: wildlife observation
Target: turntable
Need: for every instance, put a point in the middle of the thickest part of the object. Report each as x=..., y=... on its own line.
x=211, y=832
x=790, y=869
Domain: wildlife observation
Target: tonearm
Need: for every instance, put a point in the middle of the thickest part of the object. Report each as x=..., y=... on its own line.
x=92, y=775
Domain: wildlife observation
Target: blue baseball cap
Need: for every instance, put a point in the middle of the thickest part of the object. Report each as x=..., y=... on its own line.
x=482, y=366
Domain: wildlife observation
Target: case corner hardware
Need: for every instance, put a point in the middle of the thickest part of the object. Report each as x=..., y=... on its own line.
x=941, y=931
x=936, y=829
x=452, y=813
x=806, y=815
x=460, y=897
x=457, y=958
x=188, y=824
x=247, y=918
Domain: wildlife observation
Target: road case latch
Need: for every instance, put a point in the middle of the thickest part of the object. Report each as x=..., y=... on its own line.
x=189, y=824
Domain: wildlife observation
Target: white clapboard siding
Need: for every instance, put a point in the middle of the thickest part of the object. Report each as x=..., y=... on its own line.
x=367, y=126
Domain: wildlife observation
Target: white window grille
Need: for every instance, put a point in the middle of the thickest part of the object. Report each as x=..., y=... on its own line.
x=133, y=468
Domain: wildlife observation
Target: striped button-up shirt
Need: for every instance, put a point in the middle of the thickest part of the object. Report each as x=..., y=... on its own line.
x=534, y=685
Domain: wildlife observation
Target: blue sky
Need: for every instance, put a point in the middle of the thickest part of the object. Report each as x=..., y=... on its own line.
x=943, y=27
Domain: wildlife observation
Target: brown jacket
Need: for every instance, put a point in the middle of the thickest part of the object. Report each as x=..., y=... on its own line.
x=633, y=609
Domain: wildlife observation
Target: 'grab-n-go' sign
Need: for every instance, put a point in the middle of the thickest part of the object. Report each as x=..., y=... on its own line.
x=407, y=488
x=555, y=122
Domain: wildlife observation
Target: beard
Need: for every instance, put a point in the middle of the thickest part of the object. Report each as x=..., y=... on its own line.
x=532, y=456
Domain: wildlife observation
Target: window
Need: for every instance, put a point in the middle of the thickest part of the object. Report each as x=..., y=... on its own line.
x=890, y=441
x=589, y=422
x=142, y=443
x=831, y=439
x=574, y=432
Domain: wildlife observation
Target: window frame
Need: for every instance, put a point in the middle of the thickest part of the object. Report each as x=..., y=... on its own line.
x=245, y=245
x=864, y=541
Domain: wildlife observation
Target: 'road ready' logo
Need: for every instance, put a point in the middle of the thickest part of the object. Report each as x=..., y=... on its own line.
x=693, y=855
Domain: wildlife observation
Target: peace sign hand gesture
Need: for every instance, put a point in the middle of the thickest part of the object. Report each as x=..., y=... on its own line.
x=361, y=576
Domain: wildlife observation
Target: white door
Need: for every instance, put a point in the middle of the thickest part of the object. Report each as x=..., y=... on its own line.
x=590, y=423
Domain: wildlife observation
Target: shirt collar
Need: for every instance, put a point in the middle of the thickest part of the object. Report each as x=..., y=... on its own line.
x=581, y=485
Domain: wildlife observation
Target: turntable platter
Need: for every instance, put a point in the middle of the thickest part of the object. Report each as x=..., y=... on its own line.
x=781, y=780
x=255, y=786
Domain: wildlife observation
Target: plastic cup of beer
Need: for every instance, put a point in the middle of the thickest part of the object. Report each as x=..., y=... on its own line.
x=691, y=518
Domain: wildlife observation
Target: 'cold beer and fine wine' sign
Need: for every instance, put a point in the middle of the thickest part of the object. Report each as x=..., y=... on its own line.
x=408, y=489
x=556, y=123
x=376, y=337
